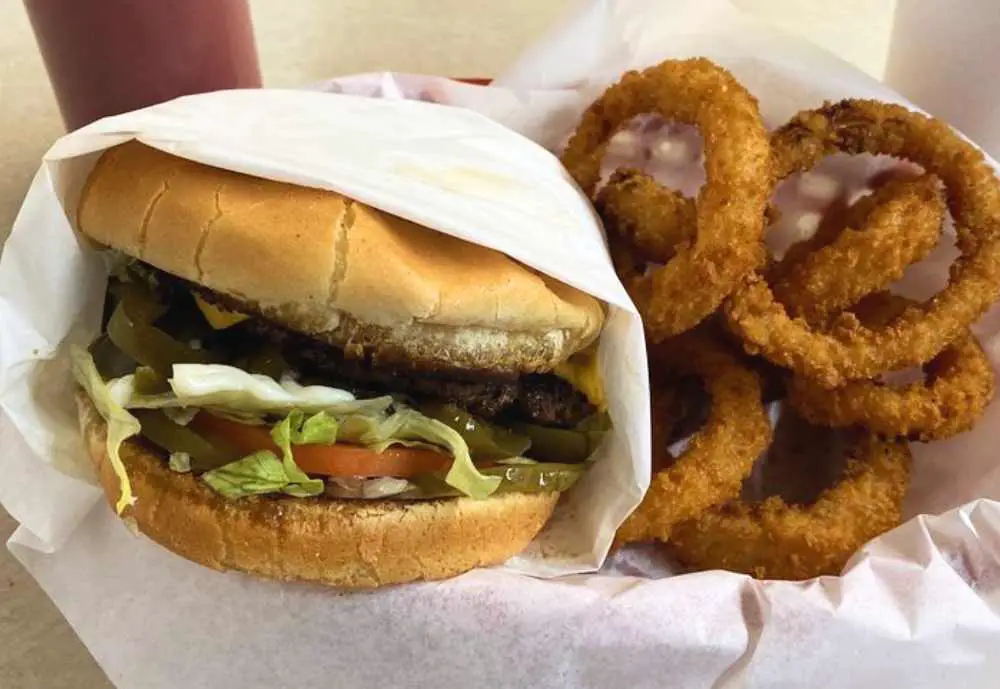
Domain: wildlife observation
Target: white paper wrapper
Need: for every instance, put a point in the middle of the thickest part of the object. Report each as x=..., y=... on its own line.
x=919, y=607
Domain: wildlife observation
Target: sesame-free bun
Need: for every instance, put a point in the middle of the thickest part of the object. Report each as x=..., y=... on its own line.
x=323, y=264
x=344, y=543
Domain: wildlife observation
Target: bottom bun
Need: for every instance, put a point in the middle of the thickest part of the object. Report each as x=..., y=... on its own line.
x=343, y=543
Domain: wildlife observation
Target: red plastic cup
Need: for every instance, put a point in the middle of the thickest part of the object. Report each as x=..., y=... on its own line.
x=105, y=57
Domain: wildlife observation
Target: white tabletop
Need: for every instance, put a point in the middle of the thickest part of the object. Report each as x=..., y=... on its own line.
x=300, y=42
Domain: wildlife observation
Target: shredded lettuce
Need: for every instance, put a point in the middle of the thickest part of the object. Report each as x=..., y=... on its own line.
x=409, y=427
x=227, y=387
x=121, y=424
x=318, y=429
x=259, y=473
x=264, y=472
x=242, y=396
x=293, y=426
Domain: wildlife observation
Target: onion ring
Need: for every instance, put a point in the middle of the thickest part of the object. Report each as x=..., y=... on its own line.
x=775, y=540
x=848, y=350
x=834, y=219
x=840, y=214
x=883, y=233
x=667, y=408
x=719, y=456
x=654, y=220
x=731, y=204
x=960, y=383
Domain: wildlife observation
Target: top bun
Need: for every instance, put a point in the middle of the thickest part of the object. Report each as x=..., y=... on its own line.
x=341, y=271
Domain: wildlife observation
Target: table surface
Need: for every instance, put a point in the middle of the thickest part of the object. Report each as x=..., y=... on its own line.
x=300, y=42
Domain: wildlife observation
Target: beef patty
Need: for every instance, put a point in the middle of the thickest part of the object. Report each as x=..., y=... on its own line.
x=540, y=398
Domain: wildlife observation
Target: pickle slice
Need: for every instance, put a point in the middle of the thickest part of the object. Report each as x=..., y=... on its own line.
x=566, y=445
x=110, y=361
x=131, y=330
x=171, y=437
x=485, y=440
x=148, y=382
x=520, y=478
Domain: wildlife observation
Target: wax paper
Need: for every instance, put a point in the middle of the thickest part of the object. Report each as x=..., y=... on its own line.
x=918, y=607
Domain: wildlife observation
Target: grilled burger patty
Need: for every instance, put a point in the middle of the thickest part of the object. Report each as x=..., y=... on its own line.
x=539, y=398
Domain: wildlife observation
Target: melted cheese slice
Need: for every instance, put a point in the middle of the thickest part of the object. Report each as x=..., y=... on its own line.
x=582, y=372
x=218, y=318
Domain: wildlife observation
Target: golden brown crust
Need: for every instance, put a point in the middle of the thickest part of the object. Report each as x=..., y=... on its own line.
x=341, y=543
x=318, y=262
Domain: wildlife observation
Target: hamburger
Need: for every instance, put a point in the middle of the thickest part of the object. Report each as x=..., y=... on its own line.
x=293, y=384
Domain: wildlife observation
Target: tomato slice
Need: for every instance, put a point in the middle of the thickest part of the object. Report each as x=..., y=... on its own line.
x=340, y=460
